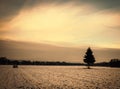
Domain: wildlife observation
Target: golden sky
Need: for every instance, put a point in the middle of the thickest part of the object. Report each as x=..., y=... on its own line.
x=66, y=23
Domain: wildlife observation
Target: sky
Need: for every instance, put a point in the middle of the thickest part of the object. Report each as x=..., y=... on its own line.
x=72, y=23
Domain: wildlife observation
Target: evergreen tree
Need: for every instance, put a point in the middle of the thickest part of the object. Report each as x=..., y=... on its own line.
x=89, y=57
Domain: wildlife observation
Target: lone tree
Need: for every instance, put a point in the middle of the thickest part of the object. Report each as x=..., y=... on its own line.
x=89, y=57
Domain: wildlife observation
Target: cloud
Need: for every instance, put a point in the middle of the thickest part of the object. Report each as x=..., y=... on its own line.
x=45, y=52
x=104, y=3
x=12, y=7
x=100, y=4
x=9, y=9
x=75, y=21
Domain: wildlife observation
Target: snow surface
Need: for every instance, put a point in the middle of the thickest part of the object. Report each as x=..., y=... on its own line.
x=59, y=77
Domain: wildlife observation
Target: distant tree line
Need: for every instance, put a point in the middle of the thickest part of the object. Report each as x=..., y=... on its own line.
x=114, y=63
x=111, y=63
x=6, y=61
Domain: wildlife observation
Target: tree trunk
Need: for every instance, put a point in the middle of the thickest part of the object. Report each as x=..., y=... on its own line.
x=88, y=66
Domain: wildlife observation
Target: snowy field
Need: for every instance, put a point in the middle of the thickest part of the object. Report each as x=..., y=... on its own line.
x=59, y=77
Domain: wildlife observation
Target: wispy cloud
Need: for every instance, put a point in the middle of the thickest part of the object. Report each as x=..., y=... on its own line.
x=71, y=21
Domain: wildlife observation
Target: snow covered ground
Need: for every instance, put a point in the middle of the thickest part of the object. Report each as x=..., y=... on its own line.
x=59, y=77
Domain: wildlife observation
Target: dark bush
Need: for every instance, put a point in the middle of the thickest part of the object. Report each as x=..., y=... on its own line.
x=114, y=63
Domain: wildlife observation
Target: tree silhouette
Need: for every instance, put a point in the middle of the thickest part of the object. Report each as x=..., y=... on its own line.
x=89, y=57
x=114, y=63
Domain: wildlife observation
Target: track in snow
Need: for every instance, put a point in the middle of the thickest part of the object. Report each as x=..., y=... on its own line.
x=59, y=77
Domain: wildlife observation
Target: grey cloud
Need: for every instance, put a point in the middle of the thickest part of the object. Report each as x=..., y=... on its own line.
x=10, y=8
x=104, y=4
x=32, y=3
x=101, y=4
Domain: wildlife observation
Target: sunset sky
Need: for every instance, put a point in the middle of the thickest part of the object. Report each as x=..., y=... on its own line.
x=62, y=22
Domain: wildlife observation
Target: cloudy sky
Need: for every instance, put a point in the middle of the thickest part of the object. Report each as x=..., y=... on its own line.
x=62, y=22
